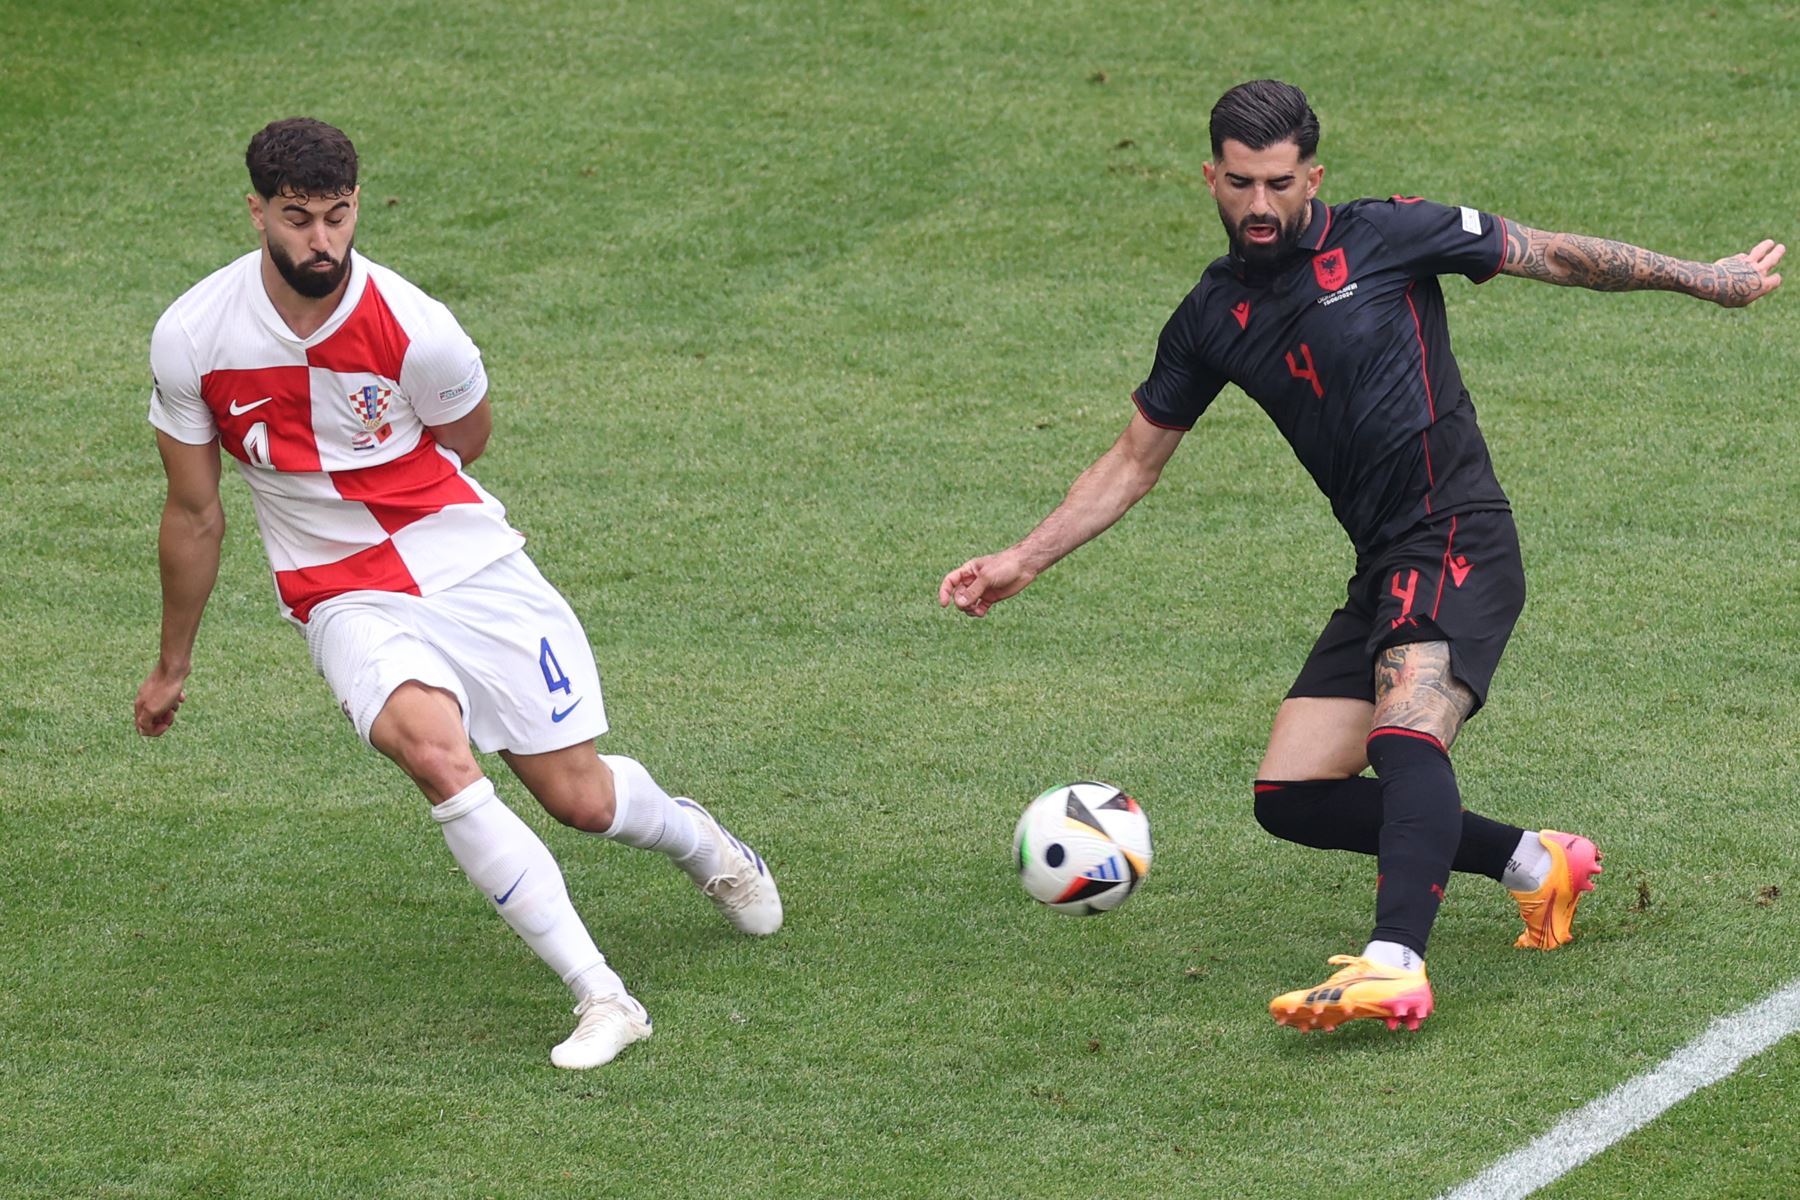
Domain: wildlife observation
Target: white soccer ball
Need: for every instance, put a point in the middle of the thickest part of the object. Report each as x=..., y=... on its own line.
x=1082, y=848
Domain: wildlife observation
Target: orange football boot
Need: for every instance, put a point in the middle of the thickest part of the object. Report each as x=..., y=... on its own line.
x=1549, y=912
x=1362, y=988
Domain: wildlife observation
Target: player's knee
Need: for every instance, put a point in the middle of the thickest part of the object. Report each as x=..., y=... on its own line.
x=581, y=798
x=1401, y=746
x=439, y=766
x=1278, y=812
x=583, y=812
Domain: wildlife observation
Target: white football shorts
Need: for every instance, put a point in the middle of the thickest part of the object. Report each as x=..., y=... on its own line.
x=503, y=642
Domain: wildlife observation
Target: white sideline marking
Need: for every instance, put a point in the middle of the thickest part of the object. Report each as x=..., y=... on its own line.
x=1636, y=1102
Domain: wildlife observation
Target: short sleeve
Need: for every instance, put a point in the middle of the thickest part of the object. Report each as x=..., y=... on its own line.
x=1181, y=385
x=442, y=374
x=1440, y=239
x=176, y=406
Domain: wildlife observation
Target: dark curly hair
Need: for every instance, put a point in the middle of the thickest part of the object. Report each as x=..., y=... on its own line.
x=301, y=156
x=1261, y=114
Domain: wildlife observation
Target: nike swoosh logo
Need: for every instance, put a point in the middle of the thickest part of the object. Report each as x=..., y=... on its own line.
x=501, y=900
x=238, y=410
x=558, y=716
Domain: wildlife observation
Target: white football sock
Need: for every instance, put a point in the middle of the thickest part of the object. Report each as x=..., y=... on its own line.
x=1529, y=865
x=647, y=817
x=1393, y=954
x=516, y=872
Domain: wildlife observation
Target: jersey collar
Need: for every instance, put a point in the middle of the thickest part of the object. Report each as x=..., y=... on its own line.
x=1318, y=225
x=265, y=307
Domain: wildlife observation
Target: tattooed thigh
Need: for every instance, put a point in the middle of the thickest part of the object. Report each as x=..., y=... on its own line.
x=1415, y=690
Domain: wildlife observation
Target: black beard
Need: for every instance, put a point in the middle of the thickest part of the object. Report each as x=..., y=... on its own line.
x=314, y=285
x=1254, y=254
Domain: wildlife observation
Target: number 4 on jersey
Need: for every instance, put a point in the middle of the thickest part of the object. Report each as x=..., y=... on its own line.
x=1310, y=374
x=554, y=679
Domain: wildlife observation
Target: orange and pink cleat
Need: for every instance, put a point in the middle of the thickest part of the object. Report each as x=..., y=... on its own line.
x=1549, y=912
x=1360, y=989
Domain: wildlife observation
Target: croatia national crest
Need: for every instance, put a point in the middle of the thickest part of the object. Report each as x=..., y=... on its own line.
x=370, y=404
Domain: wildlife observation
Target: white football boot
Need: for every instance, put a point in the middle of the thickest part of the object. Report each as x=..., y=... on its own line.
x=744, y=888
x=605, y=1026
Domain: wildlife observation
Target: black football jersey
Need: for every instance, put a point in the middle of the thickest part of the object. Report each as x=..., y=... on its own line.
x=1344, y=344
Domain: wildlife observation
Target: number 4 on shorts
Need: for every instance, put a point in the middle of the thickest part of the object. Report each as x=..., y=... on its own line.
x=554, y=679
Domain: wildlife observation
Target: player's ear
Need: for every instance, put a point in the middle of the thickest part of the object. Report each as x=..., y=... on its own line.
x=1207, y=169
x=256, y=210
x=1315, y=175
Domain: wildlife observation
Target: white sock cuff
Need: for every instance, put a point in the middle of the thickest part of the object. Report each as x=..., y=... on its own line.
x=620, y=768
x=1393, y=954
x=464, y=802
x=595, y=979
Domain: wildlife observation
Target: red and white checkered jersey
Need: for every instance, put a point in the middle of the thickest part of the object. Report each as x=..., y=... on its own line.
x=351, y=492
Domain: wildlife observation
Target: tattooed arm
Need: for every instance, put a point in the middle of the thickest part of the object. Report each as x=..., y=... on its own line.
x=1572, y=260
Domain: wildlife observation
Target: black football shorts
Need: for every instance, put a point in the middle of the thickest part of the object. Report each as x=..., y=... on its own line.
x=1456, y=579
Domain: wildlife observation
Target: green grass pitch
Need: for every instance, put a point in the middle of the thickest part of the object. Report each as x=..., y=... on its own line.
x=789, y=308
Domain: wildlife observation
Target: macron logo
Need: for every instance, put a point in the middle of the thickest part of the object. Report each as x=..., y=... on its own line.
x=238, y=410
x=1459, y=569
x=1241, y=311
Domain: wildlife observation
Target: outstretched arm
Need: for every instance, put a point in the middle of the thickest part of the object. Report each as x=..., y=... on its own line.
x=1571, y=260
x=193, y=526
x=1101, y=495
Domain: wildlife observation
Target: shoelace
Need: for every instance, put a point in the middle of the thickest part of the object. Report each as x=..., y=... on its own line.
x=593, y=1002
x=617, y=1014
x=736, y=901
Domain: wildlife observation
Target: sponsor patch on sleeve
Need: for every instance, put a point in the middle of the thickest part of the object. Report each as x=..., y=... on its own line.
x=477, y=378
x=1471, y=221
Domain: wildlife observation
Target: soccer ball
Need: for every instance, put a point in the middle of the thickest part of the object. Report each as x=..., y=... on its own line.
x=1082, y=848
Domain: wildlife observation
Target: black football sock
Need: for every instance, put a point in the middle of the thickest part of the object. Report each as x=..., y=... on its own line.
x=1345, y=814
x=1421, y=826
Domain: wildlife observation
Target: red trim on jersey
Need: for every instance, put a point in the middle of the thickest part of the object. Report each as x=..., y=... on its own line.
x=371, y=340
x=1153, y=420
x=277, y=398
x=376, y=569
x=1261, y=788
x=1424, y=371
x=1499, y=224
x=413, y=486
x=1398, y=731
x=1430, y=403
x=1430, y=479
x=1325, y=232
x=1444, y=569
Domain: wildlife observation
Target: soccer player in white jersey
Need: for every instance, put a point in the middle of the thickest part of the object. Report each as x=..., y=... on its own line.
x=353, y=403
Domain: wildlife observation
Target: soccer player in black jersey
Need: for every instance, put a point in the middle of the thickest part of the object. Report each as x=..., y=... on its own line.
x=1330, y=317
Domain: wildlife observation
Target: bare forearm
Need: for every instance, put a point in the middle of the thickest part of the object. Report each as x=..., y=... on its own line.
x=1573, y=260
x=1099, y=496
x=188, y=552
